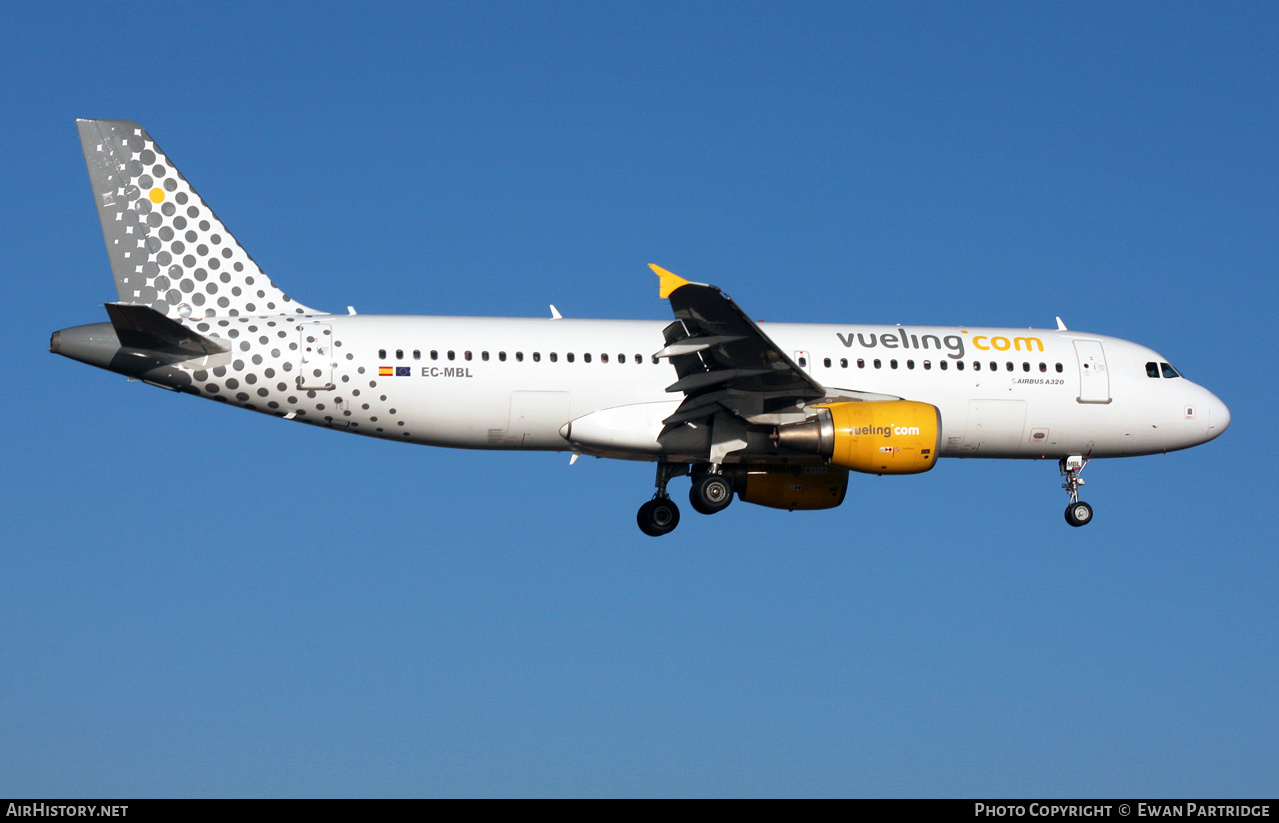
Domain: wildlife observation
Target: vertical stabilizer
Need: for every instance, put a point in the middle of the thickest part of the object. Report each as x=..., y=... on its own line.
x=168, y=250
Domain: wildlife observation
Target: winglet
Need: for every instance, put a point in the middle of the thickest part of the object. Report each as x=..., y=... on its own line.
x=668, y=281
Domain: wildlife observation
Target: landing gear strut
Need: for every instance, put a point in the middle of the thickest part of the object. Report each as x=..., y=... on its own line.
x=1078, y=513
x=660, y=515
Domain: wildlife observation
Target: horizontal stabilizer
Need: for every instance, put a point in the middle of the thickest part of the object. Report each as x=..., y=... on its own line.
x=142, y=327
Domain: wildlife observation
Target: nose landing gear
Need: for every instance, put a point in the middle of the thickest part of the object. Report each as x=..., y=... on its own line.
x=1078, y=513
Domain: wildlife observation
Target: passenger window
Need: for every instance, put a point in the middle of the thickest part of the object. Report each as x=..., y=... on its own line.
x=569, y=357
x=1169, y=371
x=861, y=364
x=519, y=357
x=1010, y=365
x=466, y=355
x=892, y=363
x=928, y=365
x=501, y=356
x=586, y=358
x=484, y=356
x=417, y=355
x=1152, y=369
x=910, y=364
x=826, y=362
x=399, y=354
x=803, y=362
x=976, y=365
x=604, y=357
x=1025, y=367
x=639, y=361
x=1043, y=367
x=537, y=357
x=843, y=362
x=877, y=364
x=943, y=365
x=959, y=364
x=554, y=357
x=451, y=356
x=435, y=355
x=994, y=366
x=1059, y=369
x=381, y=354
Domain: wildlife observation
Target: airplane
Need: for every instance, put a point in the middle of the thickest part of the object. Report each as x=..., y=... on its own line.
x=775, y=414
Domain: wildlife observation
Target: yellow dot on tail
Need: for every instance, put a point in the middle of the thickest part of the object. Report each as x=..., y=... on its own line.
x=157, y=195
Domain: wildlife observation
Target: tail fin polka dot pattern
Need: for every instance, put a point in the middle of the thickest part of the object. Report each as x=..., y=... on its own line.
x=168, y=249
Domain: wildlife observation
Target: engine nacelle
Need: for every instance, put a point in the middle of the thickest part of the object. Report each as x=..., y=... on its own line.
x=791, y=486
x=876, y=436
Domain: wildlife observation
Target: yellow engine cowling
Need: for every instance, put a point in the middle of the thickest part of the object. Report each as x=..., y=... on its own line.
x=876, y=437
x=792, y=486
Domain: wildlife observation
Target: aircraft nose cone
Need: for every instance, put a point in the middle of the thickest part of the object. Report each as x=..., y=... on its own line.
x=1218, y=417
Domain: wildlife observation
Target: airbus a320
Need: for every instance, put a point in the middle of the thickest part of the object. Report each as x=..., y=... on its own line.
x=775, y=414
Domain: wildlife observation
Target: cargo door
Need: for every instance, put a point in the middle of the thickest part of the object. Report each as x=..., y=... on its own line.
x=536, y=419
x=994, y=427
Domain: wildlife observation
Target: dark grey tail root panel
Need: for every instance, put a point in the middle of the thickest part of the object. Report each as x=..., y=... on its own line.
x=144, y=328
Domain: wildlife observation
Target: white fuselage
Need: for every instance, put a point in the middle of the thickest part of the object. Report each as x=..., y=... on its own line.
x=514, y=383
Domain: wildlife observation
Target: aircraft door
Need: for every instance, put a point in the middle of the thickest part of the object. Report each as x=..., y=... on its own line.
x=1094, y=379
x=804, y=361
x=316, y=347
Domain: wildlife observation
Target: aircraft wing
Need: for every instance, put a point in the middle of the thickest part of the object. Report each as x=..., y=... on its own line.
x=723, y=360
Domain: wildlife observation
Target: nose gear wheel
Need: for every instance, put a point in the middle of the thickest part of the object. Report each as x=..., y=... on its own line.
x=1078, y=513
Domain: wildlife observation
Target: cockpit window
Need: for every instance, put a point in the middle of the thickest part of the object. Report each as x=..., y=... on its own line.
x=1152, y=369
x=1169, y=371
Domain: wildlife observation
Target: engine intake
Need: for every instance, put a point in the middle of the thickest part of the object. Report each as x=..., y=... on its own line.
x=875, y=437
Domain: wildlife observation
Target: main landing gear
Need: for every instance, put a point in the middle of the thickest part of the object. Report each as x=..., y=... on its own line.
x=711, y=492
x=1078, y=513
x=660, y=515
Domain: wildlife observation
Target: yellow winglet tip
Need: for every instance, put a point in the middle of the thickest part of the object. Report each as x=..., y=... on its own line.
x=668, y=281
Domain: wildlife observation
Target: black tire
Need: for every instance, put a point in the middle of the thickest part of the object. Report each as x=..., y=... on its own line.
x=710, y=493
x=658, y=517
x=1079, y=514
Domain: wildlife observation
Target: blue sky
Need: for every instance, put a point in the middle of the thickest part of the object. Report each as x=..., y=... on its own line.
x=198, y=601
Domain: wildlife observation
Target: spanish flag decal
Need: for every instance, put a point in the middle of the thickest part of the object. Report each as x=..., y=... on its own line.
x=385, y=371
